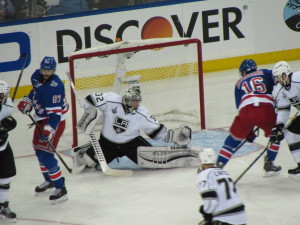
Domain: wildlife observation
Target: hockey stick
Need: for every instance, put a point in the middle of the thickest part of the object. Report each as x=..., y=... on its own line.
x=257, y=158
x=244, y=141
x=25, y=55
x=73, y=170
x=99, y=154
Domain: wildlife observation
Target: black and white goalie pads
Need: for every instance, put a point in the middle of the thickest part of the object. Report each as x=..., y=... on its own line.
x=168, y=157
x=179, y=136
x=88, y=121
x=80, y=158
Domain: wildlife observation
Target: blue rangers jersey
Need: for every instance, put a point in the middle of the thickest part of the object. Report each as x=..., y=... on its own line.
x=254, y=88
x=48, y=99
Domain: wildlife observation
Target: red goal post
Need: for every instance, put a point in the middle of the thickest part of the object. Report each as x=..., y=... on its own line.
x=167, y=66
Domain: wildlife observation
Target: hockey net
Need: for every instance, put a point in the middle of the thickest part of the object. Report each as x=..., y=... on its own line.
x=169, y=72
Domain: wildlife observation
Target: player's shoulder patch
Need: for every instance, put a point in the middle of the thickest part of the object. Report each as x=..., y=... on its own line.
x=53, y=83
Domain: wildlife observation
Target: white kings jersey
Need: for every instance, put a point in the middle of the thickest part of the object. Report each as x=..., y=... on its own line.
x=119, y=127
x=5, y=111
x=288, y=96
x=219, y=196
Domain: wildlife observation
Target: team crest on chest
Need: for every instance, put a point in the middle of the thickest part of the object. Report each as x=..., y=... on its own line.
x=120, y=125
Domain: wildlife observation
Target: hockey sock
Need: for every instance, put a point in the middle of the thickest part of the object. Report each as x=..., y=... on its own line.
x=227, y=150
x=55, y=176
x=273, y=151
x=4, y=189
x=45, y=172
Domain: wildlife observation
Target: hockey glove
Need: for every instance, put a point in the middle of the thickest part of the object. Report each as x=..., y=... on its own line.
x=277, y=133
x=207, y=217
x=25, y=106
x=9, y=123
x=47, y=134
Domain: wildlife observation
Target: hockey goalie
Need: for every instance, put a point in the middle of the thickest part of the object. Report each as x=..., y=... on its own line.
x=124, y=118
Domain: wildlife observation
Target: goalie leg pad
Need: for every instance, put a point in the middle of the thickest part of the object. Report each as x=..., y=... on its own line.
x=88, y=161
x=88, y=121
x=167, y=157
x=77, y=159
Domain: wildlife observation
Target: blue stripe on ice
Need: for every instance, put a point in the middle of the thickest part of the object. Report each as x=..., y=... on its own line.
x=205, y=138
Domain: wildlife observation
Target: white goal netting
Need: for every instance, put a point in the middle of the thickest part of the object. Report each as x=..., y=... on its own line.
x=169, y=72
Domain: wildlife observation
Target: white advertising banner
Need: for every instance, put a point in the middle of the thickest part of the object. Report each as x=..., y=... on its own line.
x=226, y=28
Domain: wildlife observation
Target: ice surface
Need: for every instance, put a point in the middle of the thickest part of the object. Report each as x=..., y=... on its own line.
x=157, y=197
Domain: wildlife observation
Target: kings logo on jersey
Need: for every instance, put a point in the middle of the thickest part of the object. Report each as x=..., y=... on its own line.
x=120, y=125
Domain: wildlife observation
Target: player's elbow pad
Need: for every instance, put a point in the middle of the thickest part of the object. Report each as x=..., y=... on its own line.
x=88, y=102
x=210, y=206
x=89, y=99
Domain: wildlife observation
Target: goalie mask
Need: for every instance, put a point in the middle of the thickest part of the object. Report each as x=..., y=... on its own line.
x=131, y=100
x=4, y=91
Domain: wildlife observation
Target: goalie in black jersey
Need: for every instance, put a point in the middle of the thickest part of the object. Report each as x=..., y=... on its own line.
x=123, y=121
x=7, y=162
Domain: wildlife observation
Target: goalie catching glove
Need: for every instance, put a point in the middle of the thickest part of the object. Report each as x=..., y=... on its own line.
x=180, y=136
x=88, y=121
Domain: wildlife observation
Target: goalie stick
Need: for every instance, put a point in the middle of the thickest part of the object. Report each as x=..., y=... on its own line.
x=99, y=154
x=70, y=170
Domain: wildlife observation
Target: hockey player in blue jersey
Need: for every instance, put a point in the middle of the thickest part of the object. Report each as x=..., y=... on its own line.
x=47, y=98
x=255, y=103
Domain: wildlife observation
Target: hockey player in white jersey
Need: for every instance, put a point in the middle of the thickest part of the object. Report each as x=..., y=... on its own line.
x=287, y=96
x=7, y=163
x=221, y=203
x=123, y=121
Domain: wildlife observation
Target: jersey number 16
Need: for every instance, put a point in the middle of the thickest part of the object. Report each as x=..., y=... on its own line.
x=255, y=85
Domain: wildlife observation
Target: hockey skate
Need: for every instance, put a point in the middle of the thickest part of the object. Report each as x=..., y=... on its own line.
x=294, y=172
x=6, y=214
x=44, y=187
x=270, y=168
x=59, y=195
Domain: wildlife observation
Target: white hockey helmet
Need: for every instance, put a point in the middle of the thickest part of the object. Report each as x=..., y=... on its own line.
x=281, y=68
x=4, y=91
x=207, y=156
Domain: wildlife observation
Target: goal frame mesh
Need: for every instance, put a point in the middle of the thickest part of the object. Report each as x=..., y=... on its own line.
x=133, y=49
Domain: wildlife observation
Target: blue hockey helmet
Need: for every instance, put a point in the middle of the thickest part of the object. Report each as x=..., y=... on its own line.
x=248, y=65
x=48, y=63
